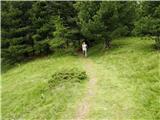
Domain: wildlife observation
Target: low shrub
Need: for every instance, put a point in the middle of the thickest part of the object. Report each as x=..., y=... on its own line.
x=67, y=75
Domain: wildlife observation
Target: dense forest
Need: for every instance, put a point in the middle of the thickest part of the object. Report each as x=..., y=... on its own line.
x=33, y=28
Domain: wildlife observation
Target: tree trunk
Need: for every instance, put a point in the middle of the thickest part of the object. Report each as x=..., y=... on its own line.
x=79, y=42
x=107, y=44
x=67, y=43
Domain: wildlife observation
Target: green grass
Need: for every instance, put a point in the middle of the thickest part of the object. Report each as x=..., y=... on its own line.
x=129, y=81
x=128, y=86
x=26, y=95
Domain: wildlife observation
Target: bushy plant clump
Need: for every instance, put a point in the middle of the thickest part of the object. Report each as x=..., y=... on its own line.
x=67, y=75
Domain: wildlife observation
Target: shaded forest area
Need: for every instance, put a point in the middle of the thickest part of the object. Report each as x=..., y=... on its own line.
x=33, y=28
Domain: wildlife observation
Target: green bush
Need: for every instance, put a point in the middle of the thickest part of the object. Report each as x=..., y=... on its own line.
x=67, y=75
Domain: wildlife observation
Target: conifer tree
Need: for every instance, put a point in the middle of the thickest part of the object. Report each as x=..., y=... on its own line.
x=15, y=30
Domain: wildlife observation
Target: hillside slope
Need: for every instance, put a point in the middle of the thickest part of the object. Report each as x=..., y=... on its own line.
x=25, y=92
x=127, y=85
x=129, y=81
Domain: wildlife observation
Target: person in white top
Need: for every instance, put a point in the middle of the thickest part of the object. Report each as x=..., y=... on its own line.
x=84, y=49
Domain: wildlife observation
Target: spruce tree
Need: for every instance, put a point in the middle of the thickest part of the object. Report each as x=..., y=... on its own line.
x=15, y=30
x=149, y=22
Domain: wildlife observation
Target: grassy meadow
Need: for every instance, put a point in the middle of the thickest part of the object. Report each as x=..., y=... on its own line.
x=129, y=81
x=25, y=92
x=128, y=86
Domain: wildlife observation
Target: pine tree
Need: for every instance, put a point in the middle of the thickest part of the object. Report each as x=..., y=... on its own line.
x=15, y=30
x=59, y=34
x=149, y=22
x=105, y=20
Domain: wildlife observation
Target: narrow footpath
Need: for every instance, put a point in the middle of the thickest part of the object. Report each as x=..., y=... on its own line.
x=84, y=105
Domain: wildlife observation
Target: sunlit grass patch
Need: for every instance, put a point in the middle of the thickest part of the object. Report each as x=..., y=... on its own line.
x=26, y=95
x=129, y=81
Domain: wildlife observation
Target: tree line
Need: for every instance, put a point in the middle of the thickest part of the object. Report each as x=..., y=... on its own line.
x=32, y=28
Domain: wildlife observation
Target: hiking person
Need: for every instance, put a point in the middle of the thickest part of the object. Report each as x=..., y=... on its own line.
x=84, y=49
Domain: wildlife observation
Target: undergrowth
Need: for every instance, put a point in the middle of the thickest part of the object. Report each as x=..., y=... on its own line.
x=67, y=75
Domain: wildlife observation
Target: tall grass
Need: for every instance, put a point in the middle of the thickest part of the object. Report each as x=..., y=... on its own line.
x=129, y=81
x=128, y=86
x=26, y=95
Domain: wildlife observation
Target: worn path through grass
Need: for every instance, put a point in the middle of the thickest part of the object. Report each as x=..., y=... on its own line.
x=84, y=105
x=115, y=92
x=124, y=82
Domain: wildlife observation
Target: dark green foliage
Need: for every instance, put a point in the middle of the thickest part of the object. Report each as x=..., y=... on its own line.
x=33, y=28
x=67, y=75
x=149, y=22
x=42, y=28
x=60, y=34
x=105, y=20
x=28, y=27
x=16, y=27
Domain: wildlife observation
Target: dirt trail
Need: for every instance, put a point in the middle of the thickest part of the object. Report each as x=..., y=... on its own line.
x=84, y=106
